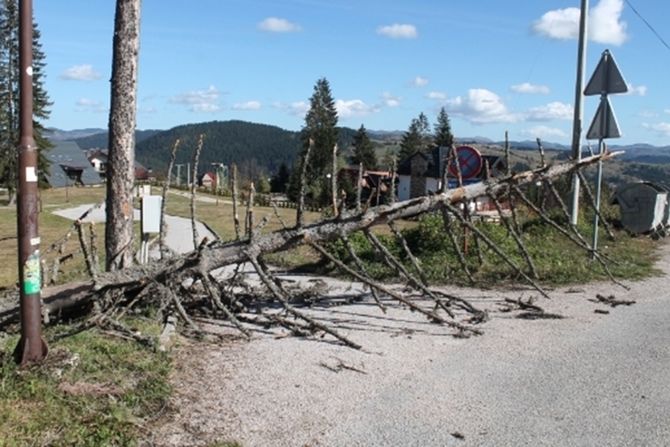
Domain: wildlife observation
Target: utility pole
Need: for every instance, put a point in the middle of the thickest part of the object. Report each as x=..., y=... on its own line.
x=188, y=174
x=179, y=173
x=578, y=113
x=31, y=347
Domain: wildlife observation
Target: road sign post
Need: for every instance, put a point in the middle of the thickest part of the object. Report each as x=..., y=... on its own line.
x=606, y=79
x=579, y=101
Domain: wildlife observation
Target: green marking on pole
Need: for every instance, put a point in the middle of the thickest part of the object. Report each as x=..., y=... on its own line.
x=32, y=281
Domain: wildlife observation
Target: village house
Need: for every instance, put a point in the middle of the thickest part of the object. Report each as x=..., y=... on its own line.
x=421, y=174
x=207, y=180
x=98, y=159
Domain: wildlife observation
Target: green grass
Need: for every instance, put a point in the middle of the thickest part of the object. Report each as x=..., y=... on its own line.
x=557, y=259
x=52, y=404
x=52, y=228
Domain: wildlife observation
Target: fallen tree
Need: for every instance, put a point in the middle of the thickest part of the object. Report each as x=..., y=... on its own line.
x=188, y=285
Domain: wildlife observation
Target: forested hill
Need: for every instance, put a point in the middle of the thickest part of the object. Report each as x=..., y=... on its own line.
x=101, y=139
x=247, y=144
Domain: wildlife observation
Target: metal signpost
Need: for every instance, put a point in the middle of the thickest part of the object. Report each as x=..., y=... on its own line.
x=31, y=347
x=606, y=79
x=578, y=114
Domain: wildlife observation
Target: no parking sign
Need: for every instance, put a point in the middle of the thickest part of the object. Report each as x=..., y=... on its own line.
x=470, y=161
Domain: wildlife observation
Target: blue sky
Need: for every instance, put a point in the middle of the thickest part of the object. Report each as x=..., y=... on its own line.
x=495, y=65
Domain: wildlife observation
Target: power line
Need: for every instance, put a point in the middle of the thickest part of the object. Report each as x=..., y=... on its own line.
x=648, y=25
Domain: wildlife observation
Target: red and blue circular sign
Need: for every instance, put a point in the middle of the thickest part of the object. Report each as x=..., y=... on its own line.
x=470, y=161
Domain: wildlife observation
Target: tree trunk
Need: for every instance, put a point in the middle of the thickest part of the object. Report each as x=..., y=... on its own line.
x=121, y=161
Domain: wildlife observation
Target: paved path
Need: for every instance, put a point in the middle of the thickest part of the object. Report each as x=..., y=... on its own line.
x=178, y=237
x=586, y=380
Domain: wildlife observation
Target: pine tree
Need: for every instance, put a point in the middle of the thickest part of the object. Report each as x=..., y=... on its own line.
x=320, y=127
x=9, y=100
x=279, y=181
x=443, y=135
x=417, y=137
x=364, y=151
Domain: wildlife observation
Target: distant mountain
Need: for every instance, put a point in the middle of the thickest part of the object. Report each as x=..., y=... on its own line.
x=251, y=146
x=263, y=148
x=531, y=145
x=224, y=142
x=385, y=135
x=66, y=135
x=644, y=153
x=101, y=139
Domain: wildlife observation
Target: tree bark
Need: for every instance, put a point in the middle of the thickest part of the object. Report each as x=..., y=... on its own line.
x=122, y=121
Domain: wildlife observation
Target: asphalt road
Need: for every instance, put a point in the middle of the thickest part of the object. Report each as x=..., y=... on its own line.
x=589, y=379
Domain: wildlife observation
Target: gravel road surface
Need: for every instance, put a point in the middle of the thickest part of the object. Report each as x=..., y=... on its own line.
x=589, y=379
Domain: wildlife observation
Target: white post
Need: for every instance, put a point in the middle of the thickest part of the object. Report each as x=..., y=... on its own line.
x=578, y=113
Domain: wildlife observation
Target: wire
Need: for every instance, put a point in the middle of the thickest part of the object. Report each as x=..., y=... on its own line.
x=648, y=25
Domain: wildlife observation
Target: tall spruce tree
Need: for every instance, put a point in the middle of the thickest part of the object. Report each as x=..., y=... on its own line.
x=417, y=137
x=9, y=99
x=280, y=180
x=364, y=151
x=443, y=135
x=320, y=127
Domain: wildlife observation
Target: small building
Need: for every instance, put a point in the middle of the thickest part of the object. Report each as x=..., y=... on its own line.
x=372, y=182
x=422, y=173
x=207, y=180
x=69, y=166
x=98, y=158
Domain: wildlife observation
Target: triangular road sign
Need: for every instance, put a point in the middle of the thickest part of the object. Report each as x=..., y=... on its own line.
x=607, y=78
x=604, y=124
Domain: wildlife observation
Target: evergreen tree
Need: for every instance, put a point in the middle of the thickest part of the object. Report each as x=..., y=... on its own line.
x=364, y=151
x=443, y=135
x=320, y=127
x=9, y=100
x=417, y=137
x=279, y=182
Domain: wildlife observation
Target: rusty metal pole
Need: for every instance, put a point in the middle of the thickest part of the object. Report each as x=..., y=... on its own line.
x=31, y=347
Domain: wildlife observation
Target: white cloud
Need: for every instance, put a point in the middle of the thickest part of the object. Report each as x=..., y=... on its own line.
x=481, y=106
x=398, y=31
x=558, y=24
x=206, y=101
x=353, y=108
x=419, y=81
x=605, y=25
x=390, y=101
x=248, y=105
x=544, y=132
x=84, y=72
x=553, y=111
x=297, y=108
x=637, y=90
x=662, y=129
x=531, y=89
x=648, y=114
x=89, y=106
x=147, y=110
x=278, y=25
x=438, y=96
